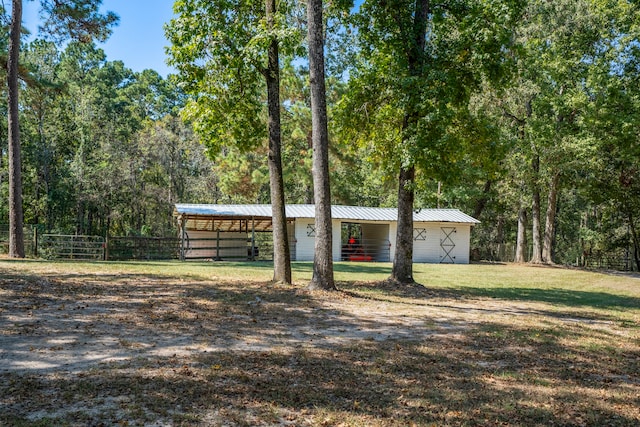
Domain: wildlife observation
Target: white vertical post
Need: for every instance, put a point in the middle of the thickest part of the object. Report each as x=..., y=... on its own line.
x=253, y=239
x=183, y=235
x=218, y=258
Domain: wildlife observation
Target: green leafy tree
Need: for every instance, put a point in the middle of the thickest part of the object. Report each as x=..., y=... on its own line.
x=418, y=64
x=610, y=224
x=563, y=43
x=100, y=128
x=79, y=19
x=228, y=58
x=43, y=159
x=169, y=166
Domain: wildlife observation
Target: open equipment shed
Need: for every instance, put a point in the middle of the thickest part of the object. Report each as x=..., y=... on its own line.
x=225, y=232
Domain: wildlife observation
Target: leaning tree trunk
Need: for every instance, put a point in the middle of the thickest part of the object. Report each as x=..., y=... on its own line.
x=402, y=271
x=16, y=237
x=281, y=252
x=521, y=240
x=481, y=203
x=536, y=256
x=550, y=220
x=323, y=256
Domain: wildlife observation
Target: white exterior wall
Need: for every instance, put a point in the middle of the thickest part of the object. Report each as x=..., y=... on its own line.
x=393, y=230
x=428, y=246
x=305, y=245
x=427, y=250
x=463, y=244
x=234, y=248
x=336, y=234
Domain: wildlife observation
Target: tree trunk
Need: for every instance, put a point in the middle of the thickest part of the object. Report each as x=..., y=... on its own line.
x=500, y=255
x=482, y=201
x=402, y=271
x=79, y=217
x=635, y=239
x=550, y=220
x=281, y=252
x=536, y=256
x=521, y=241
x=323, y=256
x=16, y=231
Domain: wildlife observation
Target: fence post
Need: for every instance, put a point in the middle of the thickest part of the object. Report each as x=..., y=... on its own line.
x=218, y=246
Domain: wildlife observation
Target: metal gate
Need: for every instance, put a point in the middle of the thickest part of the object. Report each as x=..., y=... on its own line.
x=447, y=245
x=62, y=246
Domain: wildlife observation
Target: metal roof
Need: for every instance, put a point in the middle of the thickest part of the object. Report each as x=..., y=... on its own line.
x=229, y=214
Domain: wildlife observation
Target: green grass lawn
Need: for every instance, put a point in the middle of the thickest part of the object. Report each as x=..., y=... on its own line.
x=510, y=281
x=214, y=343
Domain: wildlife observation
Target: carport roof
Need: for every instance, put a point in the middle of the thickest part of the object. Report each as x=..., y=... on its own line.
x=231, y=217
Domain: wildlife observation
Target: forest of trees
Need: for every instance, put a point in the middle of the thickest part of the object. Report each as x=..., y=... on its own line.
x=522, y=113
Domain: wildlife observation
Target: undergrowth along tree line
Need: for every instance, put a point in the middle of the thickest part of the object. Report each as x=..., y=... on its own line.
x=528, y=124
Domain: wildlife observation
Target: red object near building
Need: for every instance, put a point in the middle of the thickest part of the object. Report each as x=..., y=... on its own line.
x=360, y=258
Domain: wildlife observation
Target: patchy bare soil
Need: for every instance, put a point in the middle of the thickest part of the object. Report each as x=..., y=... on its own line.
x=120, y=349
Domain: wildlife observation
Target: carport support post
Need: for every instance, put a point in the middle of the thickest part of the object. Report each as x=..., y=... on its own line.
x=253, y=239
x=183, y=234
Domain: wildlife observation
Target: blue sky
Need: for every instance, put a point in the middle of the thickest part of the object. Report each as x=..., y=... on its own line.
x=138, y=40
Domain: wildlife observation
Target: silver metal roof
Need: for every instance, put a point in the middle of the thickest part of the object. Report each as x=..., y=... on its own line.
x=356, y=213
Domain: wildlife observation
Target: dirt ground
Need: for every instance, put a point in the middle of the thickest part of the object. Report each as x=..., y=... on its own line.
x=125, y=349
x=73, y=324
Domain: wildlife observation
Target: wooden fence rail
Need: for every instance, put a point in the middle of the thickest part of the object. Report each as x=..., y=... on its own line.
x=142, y=248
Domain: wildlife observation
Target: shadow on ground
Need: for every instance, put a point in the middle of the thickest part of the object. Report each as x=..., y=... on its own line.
x=569, y=298
x=140, y=350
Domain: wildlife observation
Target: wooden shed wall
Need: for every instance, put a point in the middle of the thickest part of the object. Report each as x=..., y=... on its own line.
x=228, y=248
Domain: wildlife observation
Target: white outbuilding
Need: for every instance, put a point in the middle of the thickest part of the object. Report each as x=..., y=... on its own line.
x=226, y=232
